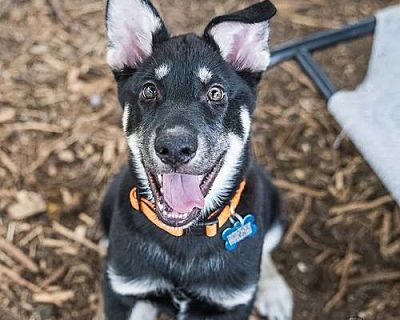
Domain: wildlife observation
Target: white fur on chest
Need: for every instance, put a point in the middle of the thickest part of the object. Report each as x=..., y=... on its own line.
x=227, y=298
x=140, y=287
x=136, y=287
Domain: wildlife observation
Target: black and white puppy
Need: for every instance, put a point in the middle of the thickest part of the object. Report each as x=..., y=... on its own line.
x=187, y=105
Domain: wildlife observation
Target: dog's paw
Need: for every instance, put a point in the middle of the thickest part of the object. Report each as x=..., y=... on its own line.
x=274, y=299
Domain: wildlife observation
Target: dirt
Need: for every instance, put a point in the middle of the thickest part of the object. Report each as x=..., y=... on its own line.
x=61, y=139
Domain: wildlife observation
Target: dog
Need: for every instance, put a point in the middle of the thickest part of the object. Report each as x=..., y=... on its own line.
x=192, y=219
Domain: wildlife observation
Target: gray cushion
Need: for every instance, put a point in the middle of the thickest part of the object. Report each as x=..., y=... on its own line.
x=370, y=115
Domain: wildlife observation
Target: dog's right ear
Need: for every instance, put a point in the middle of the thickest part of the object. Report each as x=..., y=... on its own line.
x=133, y=28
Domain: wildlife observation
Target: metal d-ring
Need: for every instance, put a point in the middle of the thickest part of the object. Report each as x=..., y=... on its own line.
x=236, y=215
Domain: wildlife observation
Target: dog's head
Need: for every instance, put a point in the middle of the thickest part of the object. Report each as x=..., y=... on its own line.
x=187, y=103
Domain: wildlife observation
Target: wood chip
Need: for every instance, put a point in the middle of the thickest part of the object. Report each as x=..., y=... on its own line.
x=54, y=276
x=360, y=206
x=382, y=276
x=30, y=236
x=57, y=298
x=87, y=219
x=28, y=204
x=77, y=238
x=66, y=156
x=8, y=163
x=14, y=276
x=345, y=266
x=296, y=188
x=35, y=126
x=294, y=70
x=18, y=255
x=7, y=114
x=298, y=221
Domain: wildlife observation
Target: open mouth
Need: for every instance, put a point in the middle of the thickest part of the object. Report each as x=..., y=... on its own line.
x=179, y=198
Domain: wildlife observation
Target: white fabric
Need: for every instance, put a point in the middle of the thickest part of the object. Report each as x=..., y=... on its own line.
x=370, y=115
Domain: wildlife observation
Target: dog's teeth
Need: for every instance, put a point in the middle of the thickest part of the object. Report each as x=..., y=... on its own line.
x=159, y=176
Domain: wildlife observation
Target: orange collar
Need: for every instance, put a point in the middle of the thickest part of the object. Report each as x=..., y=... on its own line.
x=210, y=229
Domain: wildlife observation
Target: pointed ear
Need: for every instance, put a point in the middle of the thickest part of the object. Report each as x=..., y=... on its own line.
x=242, y=37
x=133, y=28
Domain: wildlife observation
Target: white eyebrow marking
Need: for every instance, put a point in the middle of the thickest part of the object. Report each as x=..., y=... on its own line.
x=161, y=71
x=204, y=74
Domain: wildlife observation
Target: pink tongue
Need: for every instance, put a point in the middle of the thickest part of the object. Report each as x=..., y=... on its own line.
x=182, y=192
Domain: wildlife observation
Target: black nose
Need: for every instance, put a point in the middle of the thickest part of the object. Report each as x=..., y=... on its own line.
x=175, y=149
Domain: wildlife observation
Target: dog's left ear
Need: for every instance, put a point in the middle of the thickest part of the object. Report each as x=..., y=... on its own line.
x=242, y=37
x=133, y=28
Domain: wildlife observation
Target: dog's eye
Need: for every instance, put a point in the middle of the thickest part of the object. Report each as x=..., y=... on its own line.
x=216, y=94
x=149, y=91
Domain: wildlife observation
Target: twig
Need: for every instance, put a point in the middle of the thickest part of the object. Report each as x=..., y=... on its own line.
x=346, y=265
x=384, y=276
x=18, y=255
x=311, y=243
x=282, y=184
x=361, y=206
x=35, y=126
x=73, y=236
x=30, y=236
x=7, y=162
x=387, y=249
x=18, y=279
x=298, y=221
x=54, y=276
x=57, y=298
x=52, y=147
x=293, y=69
x=323, y=256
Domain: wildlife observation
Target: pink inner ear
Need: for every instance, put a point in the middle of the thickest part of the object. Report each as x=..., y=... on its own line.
x=244, y=46
x=129, y=52
x=243, y=53
x=134, y=54
x=237, y=60
x=131, y=25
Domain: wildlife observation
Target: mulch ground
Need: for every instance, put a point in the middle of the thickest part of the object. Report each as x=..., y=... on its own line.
x=61, y=140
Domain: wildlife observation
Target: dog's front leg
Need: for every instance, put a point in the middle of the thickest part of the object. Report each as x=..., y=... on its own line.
x=274, y=298
x=115, y=308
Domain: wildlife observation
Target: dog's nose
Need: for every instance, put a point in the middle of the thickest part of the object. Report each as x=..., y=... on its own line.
x=175, y=149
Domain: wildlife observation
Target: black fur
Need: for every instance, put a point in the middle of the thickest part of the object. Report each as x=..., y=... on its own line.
x=130, y=233
x=137, y=248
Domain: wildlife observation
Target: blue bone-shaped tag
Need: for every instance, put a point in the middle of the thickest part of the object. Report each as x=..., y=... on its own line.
x=240, y=231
